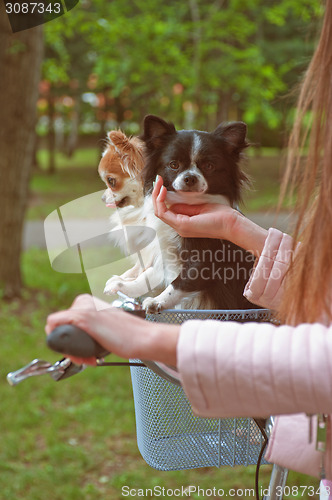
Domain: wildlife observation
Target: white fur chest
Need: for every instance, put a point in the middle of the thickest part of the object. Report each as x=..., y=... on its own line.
x=166, y=246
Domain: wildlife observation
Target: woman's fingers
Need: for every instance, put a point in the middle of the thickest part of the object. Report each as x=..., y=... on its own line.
x=82, y=361
x=158, y=197
x=158, y=184
x=182, y=208
x=159, y=194
x=73, y=315
x=161, y=207
x=84, y=301
x=68, y=317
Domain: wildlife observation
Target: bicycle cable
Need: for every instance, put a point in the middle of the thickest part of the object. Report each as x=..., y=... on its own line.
x=260, y=422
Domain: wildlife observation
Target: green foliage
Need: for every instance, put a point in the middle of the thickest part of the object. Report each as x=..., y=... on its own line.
x=192, y=61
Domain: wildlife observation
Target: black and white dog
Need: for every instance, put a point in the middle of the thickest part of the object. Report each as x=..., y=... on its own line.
x=210, y=273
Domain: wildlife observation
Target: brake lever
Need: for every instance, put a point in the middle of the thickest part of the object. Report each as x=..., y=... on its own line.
x=60, y=370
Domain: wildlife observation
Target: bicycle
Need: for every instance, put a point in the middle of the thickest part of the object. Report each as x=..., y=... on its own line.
x=201, y=442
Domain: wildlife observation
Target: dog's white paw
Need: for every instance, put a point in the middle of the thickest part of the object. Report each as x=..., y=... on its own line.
x=113, y=285
x=152, y=305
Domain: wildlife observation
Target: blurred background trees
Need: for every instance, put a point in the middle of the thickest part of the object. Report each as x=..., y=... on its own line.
x=108, y=64
x=194, y=62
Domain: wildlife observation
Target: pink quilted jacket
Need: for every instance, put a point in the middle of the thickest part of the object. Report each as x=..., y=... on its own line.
x=257, y=369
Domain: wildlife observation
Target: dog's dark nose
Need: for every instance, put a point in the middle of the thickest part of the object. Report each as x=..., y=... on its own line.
x=190, y=180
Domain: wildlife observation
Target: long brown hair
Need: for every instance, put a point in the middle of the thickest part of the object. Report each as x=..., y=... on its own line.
x=308, y=284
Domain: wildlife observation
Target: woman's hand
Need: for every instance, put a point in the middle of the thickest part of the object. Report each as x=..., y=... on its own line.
x=118, y=332
x=209, y=220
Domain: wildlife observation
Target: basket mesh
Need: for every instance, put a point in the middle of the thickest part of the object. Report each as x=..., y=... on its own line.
x=169, y=435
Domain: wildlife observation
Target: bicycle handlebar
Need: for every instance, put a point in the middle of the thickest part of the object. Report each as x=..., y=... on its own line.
x=70, y=339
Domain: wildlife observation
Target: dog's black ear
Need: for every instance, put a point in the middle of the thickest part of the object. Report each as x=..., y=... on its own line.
x=234, y=135
x=156, y=128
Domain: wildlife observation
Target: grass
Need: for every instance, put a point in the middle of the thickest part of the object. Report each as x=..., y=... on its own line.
x=75, y=439
x=78, y=176
x=266, y=174
x=74, y=177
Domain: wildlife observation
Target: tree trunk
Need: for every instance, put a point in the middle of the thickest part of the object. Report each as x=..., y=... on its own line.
x=35, y=163
x=196, y=61
x=223, y=107
x=20, y=60
x=72, y=140
x=51, y=135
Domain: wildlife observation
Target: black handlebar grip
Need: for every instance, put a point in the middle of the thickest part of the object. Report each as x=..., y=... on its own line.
x=70, y=339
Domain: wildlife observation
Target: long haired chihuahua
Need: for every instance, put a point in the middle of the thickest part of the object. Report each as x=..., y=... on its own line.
x=212, y=273
x=120, y=168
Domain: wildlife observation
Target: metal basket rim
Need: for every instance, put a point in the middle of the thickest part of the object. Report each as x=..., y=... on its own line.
x=212, y=311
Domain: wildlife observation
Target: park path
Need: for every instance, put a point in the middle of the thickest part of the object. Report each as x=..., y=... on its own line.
x=33, y=234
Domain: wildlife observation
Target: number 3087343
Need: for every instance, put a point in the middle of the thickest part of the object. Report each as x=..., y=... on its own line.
x=33, y=7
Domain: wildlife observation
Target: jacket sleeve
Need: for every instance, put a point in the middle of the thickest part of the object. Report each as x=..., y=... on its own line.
x=231, y=369
x=265, y=285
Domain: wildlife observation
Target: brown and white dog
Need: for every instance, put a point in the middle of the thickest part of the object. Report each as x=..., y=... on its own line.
x=120, y=168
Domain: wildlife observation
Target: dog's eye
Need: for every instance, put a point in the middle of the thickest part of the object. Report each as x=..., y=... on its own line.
x=209, y=167
x=174, y=165
x=111, y=181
